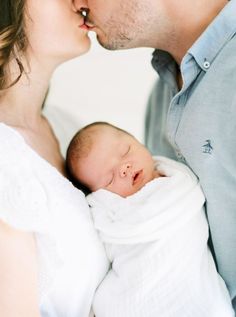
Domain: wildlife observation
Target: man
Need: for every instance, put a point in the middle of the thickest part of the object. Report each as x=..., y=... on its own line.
x=191, y=113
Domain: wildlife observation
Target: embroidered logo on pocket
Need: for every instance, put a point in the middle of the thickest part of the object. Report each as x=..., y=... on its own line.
x=207, y=147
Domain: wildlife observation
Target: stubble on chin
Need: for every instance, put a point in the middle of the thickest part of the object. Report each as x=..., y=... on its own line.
x=116, y=36
x=113, y=43
x=123, y=30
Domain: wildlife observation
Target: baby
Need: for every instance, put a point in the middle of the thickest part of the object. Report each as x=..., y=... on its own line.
x=149, y=213
x=103, y=156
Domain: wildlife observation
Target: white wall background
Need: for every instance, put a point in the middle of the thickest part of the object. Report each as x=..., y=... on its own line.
x=101, y=85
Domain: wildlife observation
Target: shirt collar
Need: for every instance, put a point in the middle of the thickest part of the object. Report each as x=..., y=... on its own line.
x=215, y=37
x=208, y=45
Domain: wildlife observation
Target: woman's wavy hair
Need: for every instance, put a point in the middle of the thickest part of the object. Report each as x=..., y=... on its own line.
x=12, y=38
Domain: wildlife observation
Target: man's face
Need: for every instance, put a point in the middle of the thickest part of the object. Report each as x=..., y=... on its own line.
x=120, y=24
x=117, y=162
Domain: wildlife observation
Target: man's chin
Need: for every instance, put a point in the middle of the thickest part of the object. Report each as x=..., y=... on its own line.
x=106, y=44
x=112, y=45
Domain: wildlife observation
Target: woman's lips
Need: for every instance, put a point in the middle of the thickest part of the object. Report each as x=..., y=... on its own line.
x=84, y=26
x=137, y=177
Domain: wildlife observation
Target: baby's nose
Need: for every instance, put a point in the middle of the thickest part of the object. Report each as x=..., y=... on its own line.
x=124, y=169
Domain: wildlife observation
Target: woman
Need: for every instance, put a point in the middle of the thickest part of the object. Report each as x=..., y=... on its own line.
x=50, y=258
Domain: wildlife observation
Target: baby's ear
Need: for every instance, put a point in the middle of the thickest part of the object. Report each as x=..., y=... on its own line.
x=76, y=183
x=83, y=188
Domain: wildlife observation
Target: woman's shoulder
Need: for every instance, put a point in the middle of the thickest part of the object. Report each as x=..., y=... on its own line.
x=35, y=197
x=8, y=131
x=12, y=145
x=21, y=191
x=31, y=188
x=23, y=197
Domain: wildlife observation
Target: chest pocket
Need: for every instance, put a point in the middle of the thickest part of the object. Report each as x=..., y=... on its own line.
x=206, y=133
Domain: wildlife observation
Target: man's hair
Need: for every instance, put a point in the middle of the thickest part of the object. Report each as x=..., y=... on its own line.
x=80, y=147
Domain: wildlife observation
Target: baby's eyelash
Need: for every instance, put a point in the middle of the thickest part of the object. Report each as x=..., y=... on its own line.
x=127, y=151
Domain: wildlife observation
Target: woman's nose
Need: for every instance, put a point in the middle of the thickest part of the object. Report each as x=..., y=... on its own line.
x=124, y=169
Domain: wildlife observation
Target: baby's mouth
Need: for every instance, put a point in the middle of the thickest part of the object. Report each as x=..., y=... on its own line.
x=137, y=176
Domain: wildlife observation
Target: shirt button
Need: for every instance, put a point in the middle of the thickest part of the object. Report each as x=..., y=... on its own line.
x=206, y=64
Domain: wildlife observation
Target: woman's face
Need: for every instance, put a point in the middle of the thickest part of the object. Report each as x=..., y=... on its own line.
x=55, y=30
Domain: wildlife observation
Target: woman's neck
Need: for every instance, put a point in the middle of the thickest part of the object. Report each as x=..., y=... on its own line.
x=21, y=108
x=21, y=105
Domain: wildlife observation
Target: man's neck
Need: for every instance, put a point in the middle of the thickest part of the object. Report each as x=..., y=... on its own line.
x=179, y=79
x=191, y=20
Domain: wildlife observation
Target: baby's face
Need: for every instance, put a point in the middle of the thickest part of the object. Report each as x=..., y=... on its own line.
x=117, y=162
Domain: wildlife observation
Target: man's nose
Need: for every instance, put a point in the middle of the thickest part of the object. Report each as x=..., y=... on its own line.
x=125, y=169
x=80, y=5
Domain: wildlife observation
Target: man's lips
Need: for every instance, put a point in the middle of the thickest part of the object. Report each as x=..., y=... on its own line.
x=137, y=177
x=89, y=23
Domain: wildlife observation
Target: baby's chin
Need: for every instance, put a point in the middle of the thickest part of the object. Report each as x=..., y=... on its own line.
x=135, y=189
x=129, y=193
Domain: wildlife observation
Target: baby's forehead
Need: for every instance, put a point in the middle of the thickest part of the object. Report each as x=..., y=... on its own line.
x=105, y=131
x=107, y=140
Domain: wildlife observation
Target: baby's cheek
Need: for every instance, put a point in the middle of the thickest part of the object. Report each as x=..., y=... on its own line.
x=125, y=190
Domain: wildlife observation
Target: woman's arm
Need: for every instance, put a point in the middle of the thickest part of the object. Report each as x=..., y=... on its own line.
x=18, y=273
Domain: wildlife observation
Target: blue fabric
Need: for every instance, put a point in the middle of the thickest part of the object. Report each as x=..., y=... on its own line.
x=197, y=126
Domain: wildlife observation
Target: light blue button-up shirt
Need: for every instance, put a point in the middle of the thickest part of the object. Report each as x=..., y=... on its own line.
x=197, y=125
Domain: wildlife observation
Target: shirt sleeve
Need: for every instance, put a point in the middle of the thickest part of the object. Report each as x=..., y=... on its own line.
x=156, y=138
x=24, y=206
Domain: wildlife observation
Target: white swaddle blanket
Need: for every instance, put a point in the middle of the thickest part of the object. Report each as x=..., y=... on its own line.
x=156, y=240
